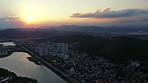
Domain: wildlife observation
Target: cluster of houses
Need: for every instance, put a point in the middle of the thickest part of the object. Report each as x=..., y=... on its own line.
x=4, y=50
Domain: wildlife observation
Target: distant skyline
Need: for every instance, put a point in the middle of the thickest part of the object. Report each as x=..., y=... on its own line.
x=23, y=13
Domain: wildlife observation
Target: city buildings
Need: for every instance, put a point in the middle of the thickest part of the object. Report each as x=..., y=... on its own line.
x=86, y=69
x=42, y=50
x=62, y=51
x=3, y=52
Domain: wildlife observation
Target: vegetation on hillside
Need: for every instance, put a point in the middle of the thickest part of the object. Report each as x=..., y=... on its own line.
x=116, y=49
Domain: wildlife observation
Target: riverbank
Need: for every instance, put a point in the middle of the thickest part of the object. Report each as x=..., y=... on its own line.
x=7, y=48
x=33, y=59
x=54, y=69
x=9, y=53
x=62, y=75
x=36, y=61
x=10, y=77
x=50, y=66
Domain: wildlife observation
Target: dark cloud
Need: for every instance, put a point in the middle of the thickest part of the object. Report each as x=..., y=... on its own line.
x=108, y=13
x=10, y=22
x=136, y=19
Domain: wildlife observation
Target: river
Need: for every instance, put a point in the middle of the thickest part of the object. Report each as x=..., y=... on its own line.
x=18, y=63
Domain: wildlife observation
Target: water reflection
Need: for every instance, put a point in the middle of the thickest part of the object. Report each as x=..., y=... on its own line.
x=8, y=43
x=19, y=64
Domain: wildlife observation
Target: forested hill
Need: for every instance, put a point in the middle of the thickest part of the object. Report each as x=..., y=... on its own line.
x=117, y=48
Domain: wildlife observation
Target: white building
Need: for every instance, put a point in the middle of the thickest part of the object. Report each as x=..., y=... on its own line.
x=62, y=50
x=42, y=50
x=133, y=63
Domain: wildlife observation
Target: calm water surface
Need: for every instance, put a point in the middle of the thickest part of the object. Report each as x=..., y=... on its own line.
x=19, y=64
x=8, y=44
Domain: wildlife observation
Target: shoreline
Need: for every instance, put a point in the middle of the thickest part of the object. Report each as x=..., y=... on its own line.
x=42, y=63
x=4, y=56
x=10, y=53
x=33, y=59
x=9, y=76
x=53, y=68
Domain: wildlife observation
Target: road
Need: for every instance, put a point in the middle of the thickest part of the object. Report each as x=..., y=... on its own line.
x=69, y=78
x=4, y=80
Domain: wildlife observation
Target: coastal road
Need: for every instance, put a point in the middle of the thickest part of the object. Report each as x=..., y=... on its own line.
x=69, y=78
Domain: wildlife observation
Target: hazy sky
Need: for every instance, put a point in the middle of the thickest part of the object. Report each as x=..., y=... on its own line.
x=82, y=12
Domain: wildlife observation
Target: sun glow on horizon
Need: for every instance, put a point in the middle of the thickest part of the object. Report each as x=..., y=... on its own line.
x=28, y=19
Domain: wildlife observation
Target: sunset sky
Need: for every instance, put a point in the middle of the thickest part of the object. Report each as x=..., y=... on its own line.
x=68, y=12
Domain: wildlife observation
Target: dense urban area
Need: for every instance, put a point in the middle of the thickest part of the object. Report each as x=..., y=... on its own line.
x=73, y=41
x=76, y=59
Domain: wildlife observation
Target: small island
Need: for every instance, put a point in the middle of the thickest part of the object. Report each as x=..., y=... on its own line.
x=8, y=76
x=33, y=59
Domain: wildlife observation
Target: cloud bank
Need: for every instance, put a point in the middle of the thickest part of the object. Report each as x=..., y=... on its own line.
x=10, y=22
x=108, y=13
